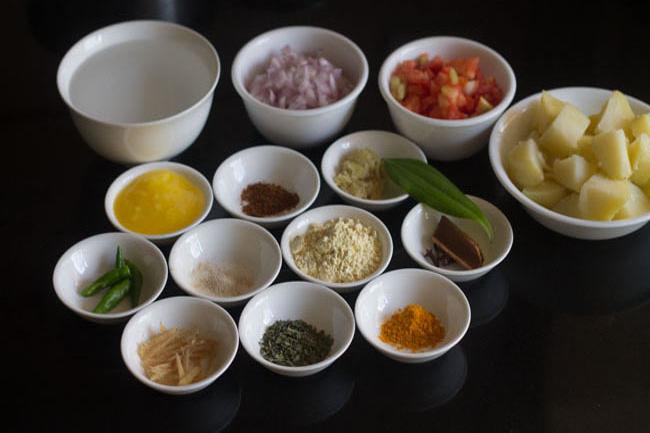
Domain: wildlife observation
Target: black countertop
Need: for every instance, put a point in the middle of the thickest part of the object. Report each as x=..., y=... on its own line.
x=560, y=332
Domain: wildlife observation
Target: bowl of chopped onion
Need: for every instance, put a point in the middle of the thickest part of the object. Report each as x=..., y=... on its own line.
x=300, y=84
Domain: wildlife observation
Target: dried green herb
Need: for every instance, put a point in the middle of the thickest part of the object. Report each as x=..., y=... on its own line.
x=294, y=343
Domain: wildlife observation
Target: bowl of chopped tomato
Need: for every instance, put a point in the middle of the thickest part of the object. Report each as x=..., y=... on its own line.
x=445, y=93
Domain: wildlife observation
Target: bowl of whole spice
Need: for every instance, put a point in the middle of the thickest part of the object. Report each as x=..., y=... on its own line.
x=412, y=315
x=268, y=185
x=225, y=260
x=296, y=328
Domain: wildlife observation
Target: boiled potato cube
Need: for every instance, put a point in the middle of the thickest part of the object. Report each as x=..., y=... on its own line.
x=640, y=160
x=547, y=193
x=593, y=122
x=549, y=107
x=601, y=198
x=572, y=172
x=525, y=164
x=585, y=150
x=640, y=125
x=611, y=150
x=638, y=204
x=561, y=137
x=569, y=205
x=616, y=115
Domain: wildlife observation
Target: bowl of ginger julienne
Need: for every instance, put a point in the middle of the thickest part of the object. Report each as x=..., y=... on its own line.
x=159, y=200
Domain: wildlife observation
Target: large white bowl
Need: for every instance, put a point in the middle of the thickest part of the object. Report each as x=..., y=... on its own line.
x=320, y=215
x=420, y=223
x=516, y=125
x=313, y=303
x=300, y=128
x=231, y=241
x=442, y=139
x=139, y=91
x=384, y=295
x=270, y=164
x=386, y=145
x=128, y=176
x=88, y=259
x=180, y=312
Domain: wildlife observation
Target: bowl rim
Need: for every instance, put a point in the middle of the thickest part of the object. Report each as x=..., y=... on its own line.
x=226, y=299
x=508, y=236
x=274, y=218
x=304, y=286
x=508, y=96
x=378, y=224
x=329, y=154
x=160, y=258
x=240, y=87
x=134, y=172
x=136, y=23
x=449, y=286
x=499, y=169
x=196, y=386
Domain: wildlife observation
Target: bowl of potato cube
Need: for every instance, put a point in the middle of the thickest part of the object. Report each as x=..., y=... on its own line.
x=578, y=160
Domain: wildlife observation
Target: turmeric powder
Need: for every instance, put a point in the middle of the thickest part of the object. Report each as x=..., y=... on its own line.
x=412, y=328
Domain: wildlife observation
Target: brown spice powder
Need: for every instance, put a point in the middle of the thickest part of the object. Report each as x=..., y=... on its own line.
x=262, y=199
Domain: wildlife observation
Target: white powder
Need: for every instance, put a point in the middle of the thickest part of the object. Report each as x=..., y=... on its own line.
x=222, y=280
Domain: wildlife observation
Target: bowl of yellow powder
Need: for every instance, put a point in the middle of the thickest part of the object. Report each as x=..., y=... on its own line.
x=158, y=200
x=412, y=315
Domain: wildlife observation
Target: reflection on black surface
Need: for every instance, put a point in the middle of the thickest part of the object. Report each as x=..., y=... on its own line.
x=487, y=296
x=387, y=384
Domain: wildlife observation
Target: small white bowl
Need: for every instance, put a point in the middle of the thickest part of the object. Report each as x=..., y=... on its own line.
x=384, y=295
x=128, y=176
x=300, y=128
x=295, y=300
x=323, y=214
x=88, y=259
x=180, y=312
x=139, y=91
x=443, y=139
x=516, y=125
x=420, y=223
x=386, y=145
x=231, y=241
x=270, y=164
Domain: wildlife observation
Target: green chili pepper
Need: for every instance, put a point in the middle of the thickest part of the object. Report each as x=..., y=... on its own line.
x=136, y=283
x=119, y=258
x=110, y=278
x=113, y=296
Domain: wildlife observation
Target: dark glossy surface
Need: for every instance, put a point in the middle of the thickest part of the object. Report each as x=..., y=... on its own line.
x=560, y=336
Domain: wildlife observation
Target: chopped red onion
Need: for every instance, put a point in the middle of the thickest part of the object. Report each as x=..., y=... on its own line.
x=299, y=82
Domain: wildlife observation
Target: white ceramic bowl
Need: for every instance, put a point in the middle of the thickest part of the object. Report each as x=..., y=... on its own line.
x=442, y=139
x=128, y=176
x=231, y=242
x=139, y=91
x=88, y=259
x=384, y=295
x=180, y=312
x=323, y=214
x=420, y=223
x=271, y=164
x=313, y=303
x=386, y=145
x=300, y=128
x=516, y=124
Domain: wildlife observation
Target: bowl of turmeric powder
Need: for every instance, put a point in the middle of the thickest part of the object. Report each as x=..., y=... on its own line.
x=412, y=315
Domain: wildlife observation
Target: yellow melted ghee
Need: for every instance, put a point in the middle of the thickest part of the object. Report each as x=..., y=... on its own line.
x=159, y=202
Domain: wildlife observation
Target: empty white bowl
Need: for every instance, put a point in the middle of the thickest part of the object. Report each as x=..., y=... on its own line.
x=442, y=139
x=90, y=258
x=226, y=242
x=139, y=91
x=269, y=164
x=420, y=223
x=323, y=214
x=180, y=312
x=384, y=295
x=315, y=304
x=300, y=128
x=128, y=176
x=386, y=145
x=516, y=125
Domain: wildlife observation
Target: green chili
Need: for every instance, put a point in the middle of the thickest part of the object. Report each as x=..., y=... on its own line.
x=119, y=258
x=113, y=296
x=111, y=277
x=136, y=283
